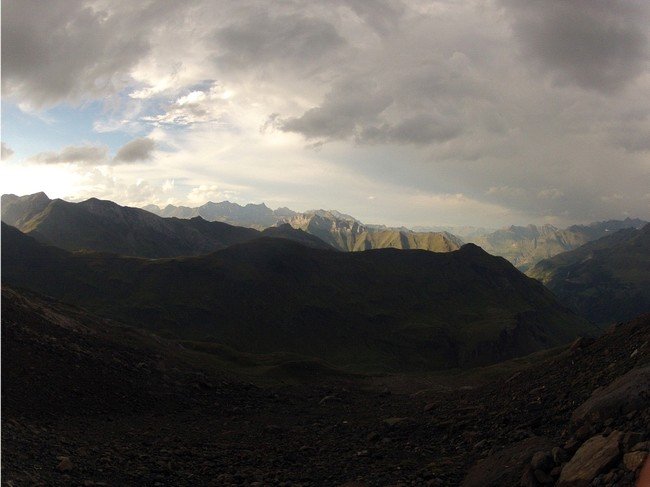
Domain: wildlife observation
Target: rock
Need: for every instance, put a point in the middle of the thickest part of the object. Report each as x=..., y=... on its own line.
x=559, y=455
x=528, y=478
x=610, y=478
x=65, y=464
x=628, y=392
x=327, y=399
x=630, y=439
x=592, y=458
x=583, y=432
x=541, y=460
x=373, y=436
x=571, y=445
x=505, y=467
x=642, y=446
x=395, y=421
x=542, y=477
x=634, y=461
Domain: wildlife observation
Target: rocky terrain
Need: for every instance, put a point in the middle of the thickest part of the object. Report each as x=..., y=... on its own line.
x=88, y=401
x=348, y=234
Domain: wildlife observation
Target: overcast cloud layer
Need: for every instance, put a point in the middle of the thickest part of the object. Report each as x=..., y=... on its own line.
x=421, y=112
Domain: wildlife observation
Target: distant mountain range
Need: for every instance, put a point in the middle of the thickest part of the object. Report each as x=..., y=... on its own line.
x=251, y=215
x=108, y=227
x=605, y=280
x=525, y=246
x=381, y=310
x=346, y=233
x=339, y=230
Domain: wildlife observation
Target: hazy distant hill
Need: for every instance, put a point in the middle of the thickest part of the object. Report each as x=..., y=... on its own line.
x=378, y=310
x=108, y=227
x=465, y=232
x=605, y=280
x=254, y=216
x=525, y=246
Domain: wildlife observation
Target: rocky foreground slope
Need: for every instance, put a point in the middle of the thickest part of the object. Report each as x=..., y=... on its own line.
x=88, y=401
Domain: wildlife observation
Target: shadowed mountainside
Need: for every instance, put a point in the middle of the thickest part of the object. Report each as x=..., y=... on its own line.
x=605, y=280
x=375, y=310
x=108, y=227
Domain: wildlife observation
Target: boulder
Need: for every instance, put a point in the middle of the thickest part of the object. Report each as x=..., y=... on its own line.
x=594, y=457
x=634, y=461
x=627, y=393
x=65, y=464
x=505, y=467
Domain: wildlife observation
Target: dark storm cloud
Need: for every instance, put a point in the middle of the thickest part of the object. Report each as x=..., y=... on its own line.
x=344, y=112
x=382, y=16
x=7, y=151
x=419, y=129
x=137, y=150
x=595, y=44
x=263, y=39
x=69, y=50
x=85, y=154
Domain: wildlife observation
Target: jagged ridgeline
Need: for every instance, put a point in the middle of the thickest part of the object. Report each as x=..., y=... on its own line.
x=108, y=227
x=381, y=310
x=337, y=229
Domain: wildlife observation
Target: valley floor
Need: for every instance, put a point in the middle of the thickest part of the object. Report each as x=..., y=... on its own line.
x=80, y=408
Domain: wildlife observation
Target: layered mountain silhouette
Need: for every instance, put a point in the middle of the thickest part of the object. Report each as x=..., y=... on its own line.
x=605, y=280
x=257, y=216
x=108, y=227
x=339, y=230
x=378, y=310
x=525, y=246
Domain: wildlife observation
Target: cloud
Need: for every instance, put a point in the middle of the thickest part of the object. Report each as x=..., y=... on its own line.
x=85, y=154
x=344, y=112
x=7, y=151
x=75, y=50
x=419, y=129
x=528, y=107
x=137, y=150
x=262, y=39
x=596, y=45
x=197, y=106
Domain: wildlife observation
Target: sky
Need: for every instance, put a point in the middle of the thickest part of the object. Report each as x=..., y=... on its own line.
x=450, y=112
